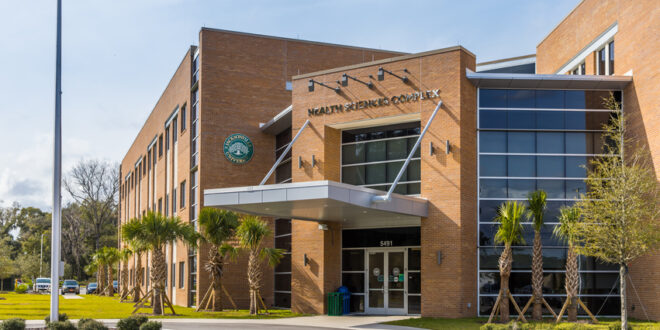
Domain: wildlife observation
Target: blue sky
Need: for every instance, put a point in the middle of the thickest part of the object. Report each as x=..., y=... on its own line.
x=119, y=55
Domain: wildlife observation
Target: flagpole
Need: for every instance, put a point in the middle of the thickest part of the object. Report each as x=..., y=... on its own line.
x=57, y=177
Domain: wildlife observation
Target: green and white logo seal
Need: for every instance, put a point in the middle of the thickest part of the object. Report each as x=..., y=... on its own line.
x=238, y=148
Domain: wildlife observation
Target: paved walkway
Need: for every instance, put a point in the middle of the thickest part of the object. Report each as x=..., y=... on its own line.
x=319, y=322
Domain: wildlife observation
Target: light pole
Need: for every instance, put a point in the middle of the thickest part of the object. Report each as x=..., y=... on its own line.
x=57, y=176
x=41, y=255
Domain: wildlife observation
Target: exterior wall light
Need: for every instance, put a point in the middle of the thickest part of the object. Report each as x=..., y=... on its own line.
x=310, y=86
x=381, y=74
x=447, y=147
x=345, y=77
x=323, y=226
x=439, y=256
x=305, y=259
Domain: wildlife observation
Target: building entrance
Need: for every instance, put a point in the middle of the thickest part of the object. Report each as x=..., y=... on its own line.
x=387, y=281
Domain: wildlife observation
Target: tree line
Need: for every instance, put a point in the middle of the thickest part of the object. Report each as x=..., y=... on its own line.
x=89, y=222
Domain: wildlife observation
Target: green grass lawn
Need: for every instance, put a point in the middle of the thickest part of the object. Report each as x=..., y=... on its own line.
x=476, y=323
x=37, y=307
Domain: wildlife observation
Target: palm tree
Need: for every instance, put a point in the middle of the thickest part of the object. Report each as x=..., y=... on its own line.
x=138, y=247
x=509, y=232
x=155, y=231
x=124, y=255
x=251, y=234
x=217, y=227
x=535, y=210
x=111, y=258
x=568, y=219
x=93, y=268
x=99, y=260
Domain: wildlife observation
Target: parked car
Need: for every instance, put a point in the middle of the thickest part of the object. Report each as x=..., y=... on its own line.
x=70, y=286
x=115, y=285
x=91, y=287
x=42, y=284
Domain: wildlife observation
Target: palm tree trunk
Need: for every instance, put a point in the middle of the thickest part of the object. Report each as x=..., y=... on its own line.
x=217, y=283
x=100, y=284
x=624, y=306
x=537, y=277
x=158, y=276
x=505, y=261
x=572, y=280
x=138, y=278
x=254, y=281
x=111, y=287
x=124, y=278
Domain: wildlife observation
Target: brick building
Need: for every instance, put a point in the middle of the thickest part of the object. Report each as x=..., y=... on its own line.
x=384, y=169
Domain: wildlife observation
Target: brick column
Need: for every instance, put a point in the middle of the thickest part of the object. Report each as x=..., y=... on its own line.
x=311, y=283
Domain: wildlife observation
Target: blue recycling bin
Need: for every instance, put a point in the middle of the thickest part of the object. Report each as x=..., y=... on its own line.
x=346, y=309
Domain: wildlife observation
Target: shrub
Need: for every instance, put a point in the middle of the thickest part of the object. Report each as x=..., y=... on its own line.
x=151, y=325
x=21, y=288
x=90, y=324
x=12, y=324
x=62, y=317
x=61, y=325
x=132, y=322
x=616, y=326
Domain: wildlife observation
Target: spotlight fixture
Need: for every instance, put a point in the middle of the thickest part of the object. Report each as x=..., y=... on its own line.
x=310, y=86
x=345, y=77
x=381, y=74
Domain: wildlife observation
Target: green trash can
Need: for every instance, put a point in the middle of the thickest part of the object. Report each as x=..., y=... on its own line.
x=335, y=303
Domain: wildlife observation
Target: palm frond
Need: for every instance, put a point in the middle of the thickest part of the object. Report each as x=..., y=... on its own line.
x=217, y=226
x=536, y=208
x=510, y=216
x=252, y=231
x=568, y=220
x=273, y=255
x=229, y=250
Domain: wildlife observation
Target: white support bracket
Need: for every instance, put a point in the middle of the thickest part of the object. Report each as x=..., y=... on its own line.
x=387, y=197
x=286, y=151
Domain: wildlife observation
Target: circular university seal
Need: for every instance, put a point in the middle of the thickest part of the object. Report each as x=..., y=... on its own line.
x=238, y=148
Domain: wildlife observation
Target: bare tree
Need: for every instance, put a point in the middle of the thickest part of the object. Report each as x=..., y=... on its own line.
x=94, y=185
x=75, y=234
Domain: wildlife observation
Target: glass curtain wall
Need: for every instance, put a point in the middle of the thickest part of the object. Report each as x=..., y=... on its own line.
x=539, y=139
x=373, y=157
x=282, y=292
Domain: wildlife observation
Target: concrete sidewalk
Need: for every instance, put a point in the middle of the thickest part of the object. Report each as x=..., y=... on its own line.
x=303, y=322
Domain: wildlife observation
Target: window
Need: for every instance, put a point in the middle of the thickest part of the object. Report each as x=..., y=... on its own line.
x=373, y=157
x=182, y=270
x=183, y=194
x=288, y=86
x=174, y=135
x=167, y=138
x=600, y=61
x=167, y=203
x=174, y=201
x=173, y=272
x=183, y=118
x=160, y=145
x=529, y=140
x=160, y=205
x=193, y=197
x=610, y=53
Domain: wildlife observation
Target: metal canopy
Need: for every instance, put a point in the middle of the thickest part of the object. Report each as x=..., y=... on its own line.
x=279, y=123
x=316, y=201
x=546, y=81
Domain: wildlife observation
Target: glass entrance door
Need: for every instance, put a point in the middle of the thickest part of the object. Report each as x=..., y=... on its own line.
x=387, y=287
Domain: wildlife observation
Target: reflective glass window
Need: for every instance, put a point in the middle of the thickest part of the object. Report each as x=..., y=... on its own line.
x=492, y=141
x=522, y=166
x=549, y=143
x=521, y=119
x=493, y=119
x=493, y=188
x=521, y=142
x=520, y=188
x=550, y=166
x=492, y=166
x=517, y=98
x=550, y=99
x=492, y=98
